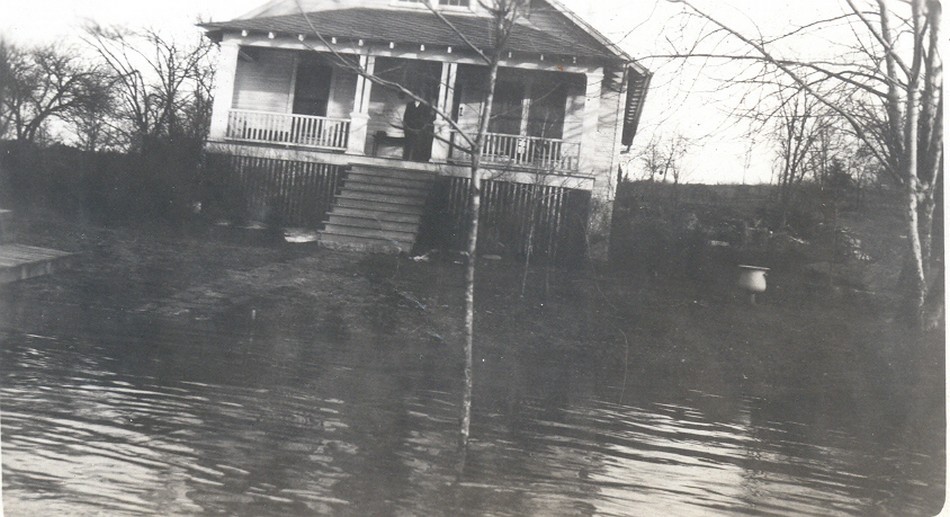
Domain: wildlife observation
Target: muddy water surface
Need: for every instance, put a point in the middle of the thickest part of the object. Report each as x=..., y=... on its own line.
x=106, y=413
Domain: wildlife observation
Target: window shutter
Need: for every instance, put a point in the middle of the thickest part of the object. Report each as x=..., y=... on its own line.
x=636, y=93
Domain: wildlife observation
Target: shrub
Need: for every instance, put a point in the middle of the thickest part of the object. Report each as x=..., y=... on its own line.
x=105, y=187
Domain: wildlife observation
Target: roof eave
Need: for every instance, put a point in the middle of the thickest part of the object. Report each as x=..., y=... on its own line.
x=642, y=70
x=603, y=40
x=218, y=29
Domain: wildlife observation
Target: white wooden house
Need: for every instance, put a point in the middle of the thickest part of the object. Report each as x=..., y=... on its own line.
x=300, y=135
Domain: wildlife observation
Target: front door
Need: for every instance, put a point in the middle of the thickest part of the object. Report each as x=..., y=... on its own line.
x=526, y=109
x=546, y=111
x=508, y=108
x=312, y=89
x=529, y=109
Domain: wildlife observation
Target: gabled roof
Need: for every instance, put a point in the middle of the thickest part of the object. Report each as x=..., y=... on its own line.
x=550, y=29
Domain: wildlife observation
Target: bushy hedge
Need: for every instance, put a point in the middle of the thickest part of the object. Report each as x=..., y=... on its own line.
x=657, y=230
x=105, y=187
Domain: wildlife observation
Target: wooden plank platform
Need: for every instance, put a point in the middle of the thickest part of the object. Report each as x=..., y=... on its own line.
x=19, y=262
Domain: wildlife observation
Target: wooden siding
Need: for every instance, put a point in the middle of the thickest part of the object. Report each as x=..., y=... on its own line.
x=280, y=192
x=609, y=127
x=264, y=80
x=574, y=112
x=552, y=220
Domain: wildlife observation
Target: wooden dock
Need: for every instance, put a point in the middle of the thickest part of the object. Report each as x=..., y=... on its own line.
x=19, y=262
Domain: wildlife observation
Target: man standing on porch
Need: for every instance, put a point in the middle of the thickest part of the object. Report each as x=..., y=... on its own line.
x=417, y=123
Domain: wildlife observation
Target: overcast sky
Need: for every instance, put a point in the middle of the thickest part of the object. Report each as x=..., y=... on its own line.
x=680, y=102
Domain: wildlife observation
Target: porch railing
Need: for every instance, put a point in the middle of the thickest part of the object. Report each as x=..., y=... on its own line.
x=287, y=128
x=531, y=152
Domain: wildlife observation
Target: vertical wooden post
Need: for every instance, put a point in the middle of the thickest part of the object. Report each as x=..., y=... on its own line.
x=442, y=130
x=359, y=118
x=224, y=89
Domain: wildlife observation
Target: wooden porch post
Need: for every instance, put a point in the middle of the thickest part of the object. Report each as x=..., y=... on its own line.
x=440, y=146
x=359, y=118
x=589, y=138
x=224, y=89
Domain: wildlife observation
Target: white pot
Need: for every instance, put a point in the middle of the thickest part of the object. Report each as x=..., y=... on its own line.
x=752, y=278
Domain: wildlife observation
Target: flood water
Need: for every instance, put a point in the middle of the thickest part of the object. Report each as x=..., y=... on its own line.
x=111, y=414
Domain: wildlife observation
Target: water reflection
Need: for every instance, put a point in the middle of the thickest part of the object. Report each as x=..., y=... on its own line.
x=244, y=418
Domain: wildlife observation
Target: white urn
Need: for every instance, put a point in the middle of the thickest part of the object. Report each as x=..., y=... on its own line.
x=752, y=279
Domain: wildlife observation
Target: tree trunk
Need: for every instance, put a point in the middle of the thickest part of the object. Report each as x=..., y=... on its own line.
x=474, y=205
x=532, y=215
x=925, y=217
x=917, y=288
x=475, y=202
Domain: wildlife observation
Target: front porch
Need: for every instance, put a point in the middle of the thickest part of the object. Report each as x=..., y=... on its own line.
x=309, y=101
x=514, y=152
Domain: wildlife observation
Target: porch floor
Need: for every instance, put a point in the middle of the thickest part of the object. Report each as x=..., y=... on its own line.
x=574, y=180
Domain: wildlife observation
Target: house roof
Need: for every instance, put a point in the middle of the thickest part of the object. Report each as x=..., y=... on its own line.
x=547, y=31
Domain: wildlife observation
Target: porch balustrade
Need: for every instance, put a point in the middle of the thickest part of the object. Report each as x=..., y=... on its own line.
x=287, y=128
x=544, y=154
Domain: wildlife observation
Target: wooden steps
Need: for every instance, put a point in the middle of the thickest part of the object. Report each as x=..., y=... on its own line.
x=355, y=203
x=378, y=209
x=19, y=262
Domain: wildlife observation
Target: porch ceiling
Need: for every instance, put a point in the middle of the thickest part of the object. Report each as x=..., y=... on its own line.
x=415, y=27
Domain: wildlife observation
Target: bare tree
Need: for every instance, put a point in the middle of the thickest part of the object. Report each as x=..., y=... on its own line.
x=162, y=86
x=661, y=158
x=97, y=127
x=161, y=113
x=886, y=84
x=503, y=15
x=656, y=161
x=39, y=84
x=662, y=162
x=800, y=128
x=6, y=75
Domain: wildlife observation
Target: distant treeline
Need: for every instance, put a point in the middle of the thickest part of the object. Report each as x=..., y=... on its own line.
x=851, y=196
